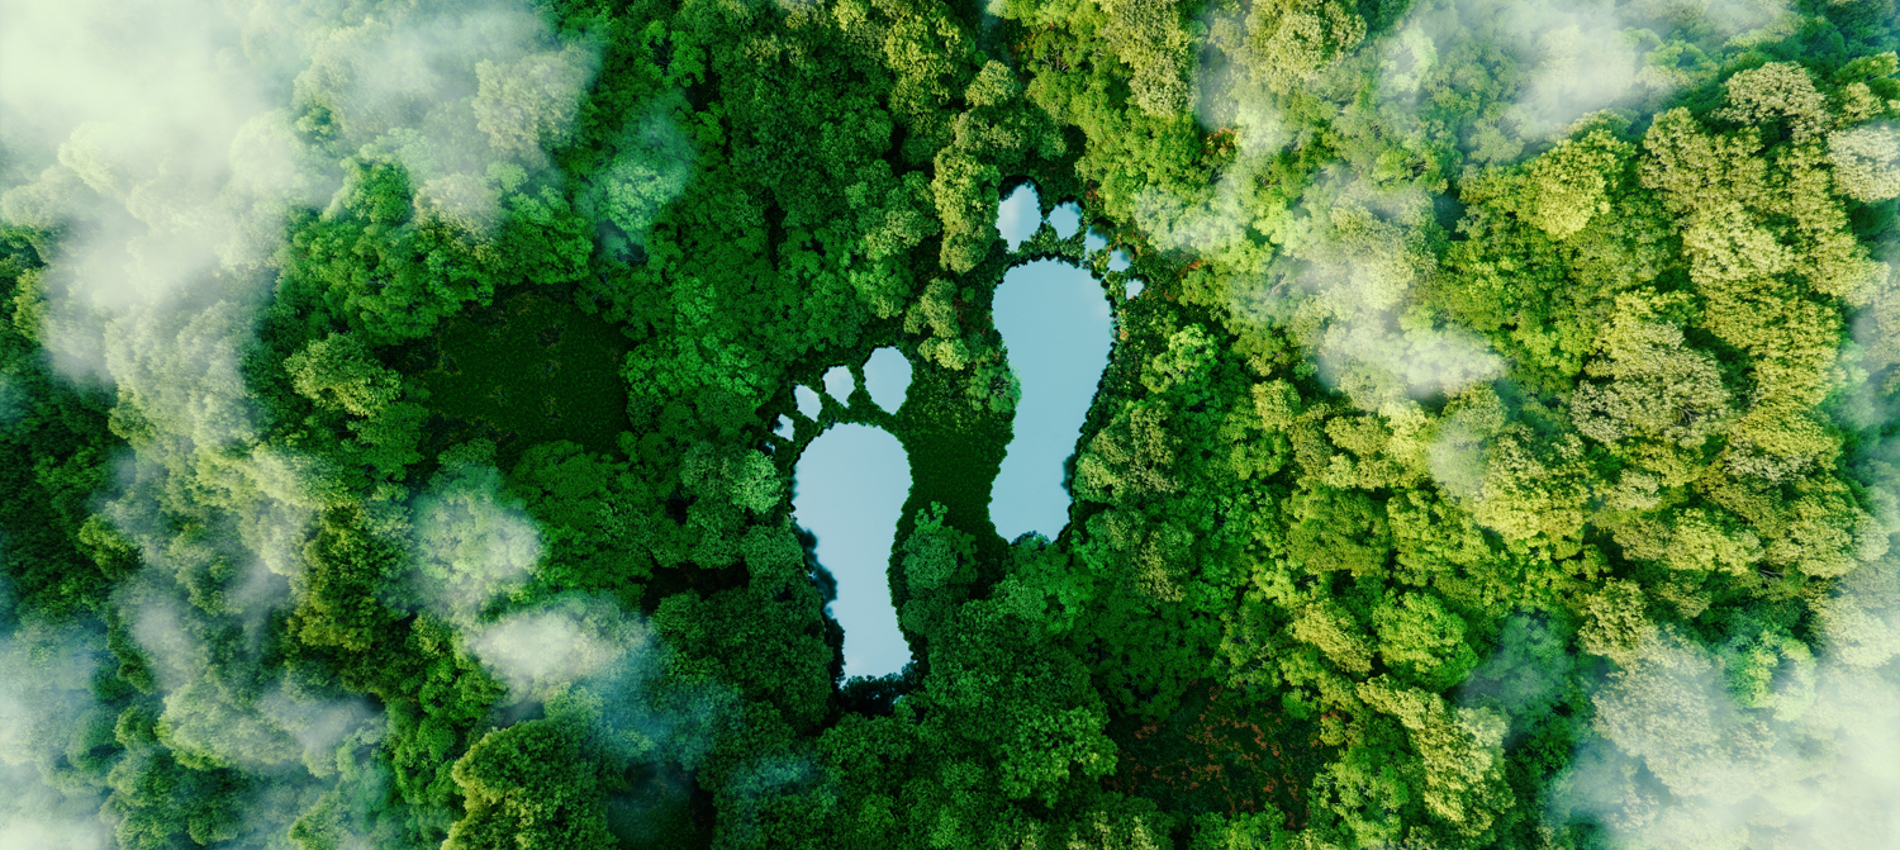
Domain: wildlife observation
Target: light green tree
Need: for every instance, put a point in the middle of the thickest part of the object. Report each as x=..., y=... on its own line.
x=1289, y=42
x=1570, y=185
x=531, y=103
x=339, y=372
x=1866, y=162
x=1147, y=36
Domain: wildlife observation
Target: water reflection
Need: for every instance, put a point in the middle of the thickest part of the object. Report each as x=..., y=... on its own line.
x=886, y=378
x=1054, y=318
x=851, y=484
x=1065, y=220
x=839, y=383
x=1018, y=216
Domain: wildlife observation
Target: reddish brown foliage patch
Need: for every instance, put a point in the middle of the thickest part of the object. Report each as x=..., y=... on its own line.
x=1222, y=751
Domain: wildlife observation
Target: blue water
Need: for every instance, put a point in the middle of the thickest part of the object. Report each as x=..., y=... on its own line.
x=851, y=483
x=807, y=400
x=886, y=377
x=1018, y=216
x=853, y=479
x=1054, y=318
x=839, y=383
x=1065, y=220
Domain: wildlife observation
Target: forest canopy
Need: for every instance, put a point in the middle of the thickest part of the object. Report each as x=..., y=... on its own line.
x=1500, y=451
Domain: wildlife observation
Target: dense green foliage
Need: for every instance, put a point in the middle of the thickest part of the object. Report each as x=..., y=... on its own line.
x=1499, y=455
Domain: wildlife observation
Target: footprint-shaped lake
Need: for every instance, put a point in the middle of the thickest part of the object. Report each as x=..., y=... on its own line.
x=852, y=480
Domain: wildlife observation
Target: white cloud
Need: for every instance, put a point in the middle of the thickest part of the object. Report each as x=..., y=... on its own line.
x=320, y=726
x=1364, y=250
x=47, y=712
x=474, y=545
x=161, y=138
x=1757, y=743
x=455, y=98
x=1018, y=216
x=47, y=831
x=538, y=651
x=587, y=660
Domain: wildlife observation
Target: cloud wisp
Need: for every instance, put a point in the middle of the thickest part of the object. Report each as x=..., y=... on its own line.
x=164, y=147
x=49, y=721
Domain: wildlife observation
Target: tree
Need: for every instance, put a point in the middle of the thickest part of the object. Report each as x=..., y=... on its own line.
x=1021, y=703
x=341, y=585
x=1328, y=530
x=1534, y=489
x=1147, y=36
x=161, y=802
x=1336, y=634
x=1662, y=401
x=652, y=170
x=338, y=372
x=1291, y=41
x=1866, y=163
x=768, y=646
x=933, y=571
x=1129, y=459
x=1616, y=624
x=1570, y=184
x=582, y=502
x=529, y=786
x=1423, y=641
x=1460, y=753
x=531, y=103
x=966, y=190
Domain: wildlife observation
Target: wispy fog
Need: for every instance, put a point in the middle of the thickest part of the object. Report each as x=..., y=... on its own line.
x=48, y=718
x=165, y=145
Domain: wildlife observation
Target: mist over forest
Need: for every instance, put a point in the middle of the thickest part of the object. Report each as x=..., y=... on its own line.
x=1499, y=445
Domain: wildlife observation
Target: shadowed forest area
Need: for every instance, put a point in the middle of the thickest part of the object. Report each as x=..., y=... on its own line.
x=524, y=372
x=1497, y=451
